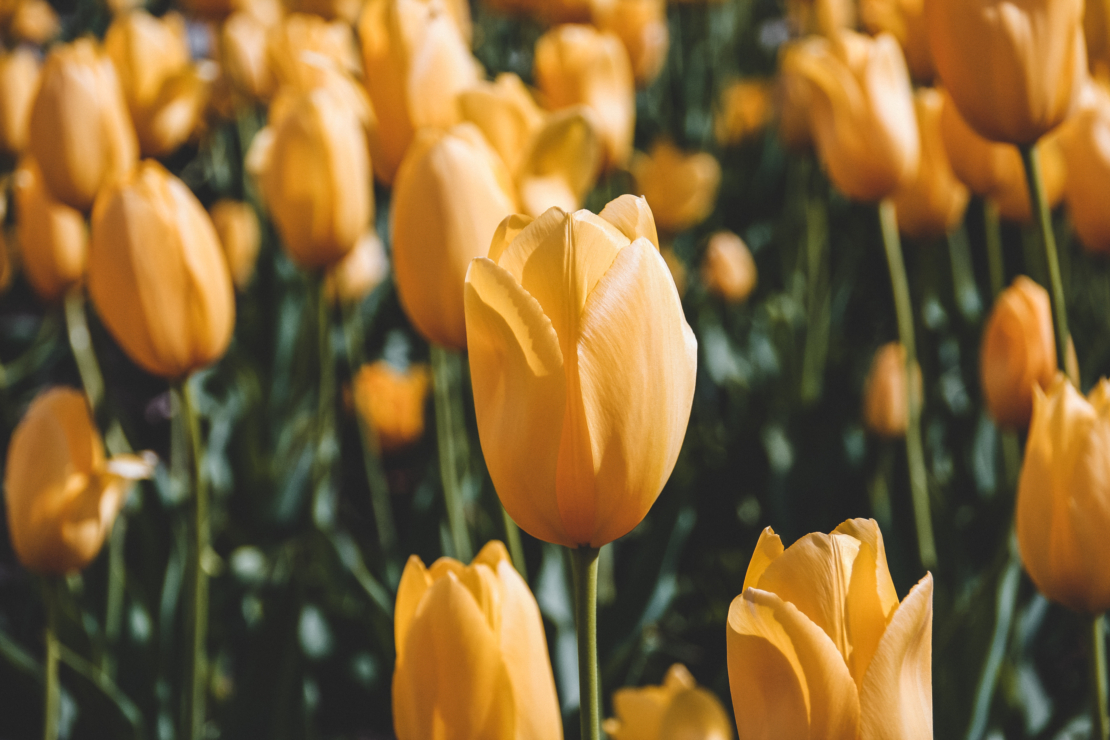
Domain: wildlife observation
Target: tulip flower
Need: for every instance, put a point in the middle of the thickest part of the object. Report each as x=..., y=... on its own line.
x=579, y=65
x=506, y=114
x=792, y=96
x=820, y=647
x=680, y=188
x=861, y=111
x=244, y=56
x=827, y=17
x=745, y=109
x=62, y=494
x=81, y=134
x=884, y=392
x=391, y=402
x=33, y=21
x=676, y=709
x=237, y=228
x=1018, y=352
x=642, y=26
x=1096, y=31
x=301, y=40
x=1086, y=148
x=451, y=193
x=1013, y=67
x=157, y=274
x=355, y=276
x=728, y=269
x=1063, y=497
x=905, y=20
x=19, y=82
x=583, y=369
x=472, y=658
x=53, y=239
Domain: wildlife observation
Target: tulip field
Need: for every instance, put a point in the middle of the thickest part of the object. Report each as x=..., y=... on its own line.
x=544, y=369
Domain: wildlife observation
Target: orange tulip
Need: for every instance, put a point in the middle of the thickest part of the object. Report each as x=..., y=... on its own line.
x=680, y=188
x=355, y=276
x=244, y=56
x=237, y=227
x=642, y=26
x=905, y=20
x=34, y=21
x=52, y=236
x=676, y=709
x=19, y=82
x=746, y=107
x=1086, y=149
x=391, y=402
x=885, y=412
x=728, y=269
x=827, y=17
x=301, y=43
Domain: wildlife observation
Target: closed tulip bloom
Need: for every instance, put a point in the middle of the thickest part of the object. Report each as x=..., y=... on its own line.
x=237, y=228
x=19, y=82
x=472, y=659
x=81, y=134
x=820, y=647
x=1013, y=67
x=301, y=40
x=680, y=188
x=745, y=109
x=1018, y=352
x=827, y=17
x=905, y=20
x=583, y=369
x=561, y=163
x=62, y=494
x=391, y=402
x=158, y=276
x=506, y=114
x=885, y=412
x=579, y=65
x=244, y=56
x=451, y=193
x=34, y=22
x=728, y=269
x=355, y=276
x=676, y=709
x=861, y=111
x=642, y=26
x=1086, y=148
x=53, y=239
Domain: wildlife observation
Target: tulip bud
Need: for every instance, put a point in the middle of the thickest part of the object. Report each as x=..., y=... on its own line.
x=301, y=40
x=471, y=653
x=1086, y=148
x=80, y=133
x=885, y=412
x=905, y=20
x=505, y=113
x=34, y=22
x=451, y=193
x=392, y=402
x=583, y=369
x=745, y=109
x=680, y=188
x=561, y=163
x=52, y=236
x=244, y=56
x=792, y=95
x=19, y=82
x=1013, y=69
x=579, y=65
x=237, y=228
x=1019, y=352
x=826, y=17
x=62, y=495
x=355, y=276
x=861, y=111
x=641, y=26
x=819, y=645
x=728, y=269
x=157, y=275
x=678, y=708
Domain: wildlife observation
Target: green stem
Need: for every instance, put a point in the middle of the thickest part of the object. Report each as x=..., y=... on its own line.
x=117, y=582
x=322, y=509
x=963, y=274
x=516, y=548
x=584, y=565
x=442, y=377
x=1101, y=718
x=993, y=229
x=1003, y=616
x=1048, y=238
x=915, y=455
x=52, y=693
x=80, y=341
x=817, y=304
x=195, y=693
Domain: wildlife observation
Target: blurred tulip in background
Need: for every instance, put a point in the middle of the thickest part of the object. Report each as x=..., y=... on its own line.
x=53, y=238
x=19, y=83
x=240, y=236
x=642, y=26
x=391, y=402
x=1086, y=149
x=680, y=188
x=905, y=21
x=746, y=107
x=355, y=276
x=678, y=709
x=884, y=392
x=727, y=269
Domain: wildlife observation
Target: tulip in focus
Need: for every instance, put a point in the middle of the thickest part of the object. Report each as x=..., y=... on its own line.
x=680, y=188
x=728, y=269
x=746, y=107
x=158, y=276
x=451, y=193
x=820, y=647
x=1013, y=67
x=884, y=393
x=19, y=83
x=678, y=709
x=642, y=27
x=81, y=133
x=62, y=494
x=391, y=402
x=1063, y=497
x=237, y=228
x=355, y=276
x=905, y=20
x=583, y=370
x=472, y=659
x=53, y=239
x=1086, y=148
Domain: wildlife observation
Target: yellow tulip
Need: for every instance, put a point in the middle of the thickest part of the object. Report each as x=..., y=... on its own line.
x=676, y=709
x=451, y=193
x=157, y=274
x=642, y=26
x=1013, y=67
x=19, y=82
x=244, y=56
x=355, y=276
x=745, y=109
x=583, y=369
x=1096, y=31
x=81, y=134
x=472, y=658
x=34, y=21
x=1063, y=497
x=1018, y=352
x=861, y=111
x=884, y=393
x=302, y=42
x=728, y=269
x=62, y=495
x=934, y=202
x=1086, y=148
x=579, y=65
x=53, y=239
x=237, y=228
x=680, y=188
x=506, y=114
x=792, y=95
x=391, y=402
x=827, y=17
x=905, y=20
x=820, y=647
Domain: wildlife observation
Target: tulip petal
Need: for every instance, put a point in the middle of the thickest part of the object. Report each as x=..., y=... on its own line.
x=767, y=550
x=516, y=368
x=506, y=232
x=695, y=713
x=896, y=698
x=415, y=581
x=637, y=386
x=632, y=215
x=639, y=712
x=483, y=585
x=537, y=193
x=871, y=596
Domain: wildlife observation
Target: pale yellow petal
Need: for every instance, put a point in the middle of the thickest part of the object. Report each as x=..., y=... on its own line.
x=767, y=550
x=415, y=581
x=695, y=714
x=871, y=595
x=639, y=712
x=632, y=215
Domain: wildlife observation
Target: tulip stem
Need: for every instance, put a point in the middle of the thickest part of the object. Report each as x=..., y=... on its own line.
x=52, y=694
x=993, y=230
x=77, y=327
x=915, y=455
x=1048, y=239
x=584, y=564
x=195, y=693
x=516, y=548
x=443, y=377
x=1098, y=677
x=323, y=508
